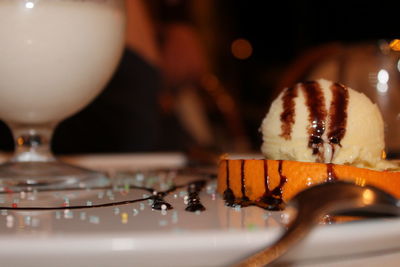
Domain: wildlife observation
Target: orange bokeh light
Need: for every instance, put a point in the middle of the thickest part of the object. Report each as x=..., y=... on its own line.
x=241, y=48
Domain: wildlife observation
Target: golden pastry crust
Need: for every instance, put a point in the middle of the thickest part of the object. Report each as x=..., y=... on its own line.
x=254, y=179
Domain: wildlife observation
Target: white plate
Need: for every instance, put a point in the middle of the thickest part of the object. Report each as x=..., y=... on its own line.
x=135, y=235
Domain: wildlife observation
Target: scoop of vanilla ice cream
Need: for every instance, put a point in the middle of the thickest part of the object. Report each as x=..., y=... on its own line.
x=323, y=121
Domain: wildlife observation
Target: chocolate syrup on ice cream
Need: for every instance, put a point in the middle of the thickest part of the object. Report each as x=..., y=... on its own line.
x=320, y=119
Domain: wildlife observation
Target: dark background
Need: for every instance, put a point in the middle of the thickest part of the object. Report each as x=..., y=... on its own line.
x=279, y=32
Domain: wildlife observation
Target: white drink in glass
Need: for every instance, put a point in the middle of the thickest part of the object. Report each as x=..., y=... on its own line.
x=55, y=57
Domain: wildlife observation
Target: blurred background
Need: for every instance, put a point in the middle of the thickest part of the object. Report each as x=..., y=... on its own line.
x=345, y=41
x=199, y=75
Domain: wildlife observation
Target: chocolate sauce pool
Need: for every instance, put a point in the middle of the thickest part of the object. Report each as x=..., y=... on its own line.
x=194, y=203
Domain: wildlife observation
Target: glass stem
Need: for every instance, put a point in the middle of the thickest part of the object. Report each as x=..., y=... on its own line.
x=32, y=142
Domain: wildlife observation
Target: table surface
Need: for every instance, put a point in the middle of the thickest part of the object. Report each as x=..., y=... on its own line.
x=134, y=234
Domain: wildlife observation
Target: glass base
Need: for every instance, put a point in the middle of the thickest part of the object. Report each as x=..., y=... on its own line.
x=54, y=175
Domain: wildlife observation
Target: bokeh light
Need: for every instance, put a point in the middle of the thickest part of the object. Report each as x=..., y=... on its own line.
x=241, y=48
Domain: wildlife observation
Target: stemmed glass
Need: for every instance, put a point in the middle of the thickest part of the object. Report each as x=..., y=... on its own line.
x=55, y=57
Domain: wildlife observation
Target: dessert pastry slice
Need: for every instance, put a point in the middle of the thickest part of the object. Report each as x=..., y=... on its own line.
x=270, y=183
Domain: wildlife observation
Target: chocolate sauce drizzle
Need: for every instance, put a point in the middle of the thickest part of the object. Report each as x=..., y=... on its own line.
x=331, y=176
x=338, y=113
x=159, y=203
x=288, y=113
x=315, y=102
x=243, y=181
x=229, y=197
x=318, y=115
x=271, y=200
x=266, y=178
